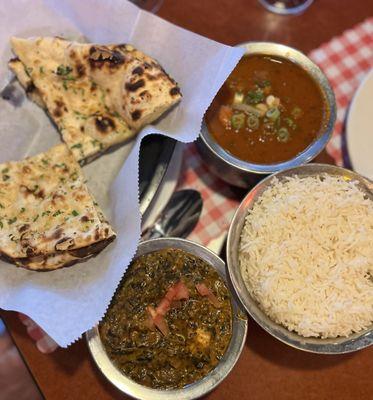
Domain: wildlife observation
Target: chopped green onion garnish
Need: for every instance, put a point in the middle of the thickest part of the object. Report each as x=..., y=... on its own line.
x=252, y=122
x=238, y=120
x=273, y=113
x=283, y=135
x=254, y=97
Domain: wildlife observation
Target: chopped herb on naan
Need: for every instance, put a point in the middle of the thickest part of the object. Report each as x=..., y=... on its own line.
x=97, y=95
x=48, y=218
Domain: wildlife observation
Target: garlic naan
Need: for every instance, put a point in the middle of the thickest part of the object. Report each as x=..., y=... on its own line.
x=48, y=218
x=97, y=95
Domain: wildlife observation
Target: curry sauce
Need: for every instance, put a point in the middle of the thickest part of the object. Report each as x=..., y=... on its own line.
x=268, y=111
x=170, y=321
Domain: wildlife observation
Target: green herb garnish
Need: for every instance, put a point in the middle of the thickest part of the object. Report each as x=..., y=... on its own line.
x=273, y=113
x=283, y=135
x=255, y=97
x=238, y=121
x=80, y=115
x=58, y=212
x=12, y=220
x=74, y=213
x=252, y=122
x=62, y=165
x=63, y=70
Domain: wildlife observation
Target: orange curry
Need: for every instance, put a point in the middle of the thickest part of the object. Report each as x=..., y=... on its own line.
x=268, y=111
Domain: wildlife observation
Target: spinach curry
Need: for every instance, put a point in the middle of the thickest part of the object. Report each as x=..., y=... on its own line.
x=170, y=321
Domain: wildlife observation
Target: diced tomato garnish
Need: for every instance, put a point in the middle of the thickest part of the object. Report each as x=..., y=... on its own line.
x=203, y=290
x=163, y=307
x=182, y=292
x=161, y=324
x=171, y=293
x=176, y=292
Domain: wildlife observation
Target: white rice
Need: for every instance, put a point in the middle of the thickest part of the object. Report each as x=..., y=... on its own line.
x=306, y=255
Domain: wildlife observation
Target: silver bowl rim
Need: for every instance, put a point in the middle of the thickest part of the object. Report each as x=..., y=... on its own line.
x=308, y=154
x=354, y=342
x=211, y=380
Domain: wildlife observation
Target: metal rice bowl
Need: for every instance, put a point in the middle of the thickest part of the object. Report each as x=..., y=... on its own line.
x=338, y=345
x=211, y=380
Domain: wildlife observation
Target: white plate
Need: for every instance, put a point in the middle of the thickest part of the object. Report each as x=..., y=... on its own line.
x=359, y=129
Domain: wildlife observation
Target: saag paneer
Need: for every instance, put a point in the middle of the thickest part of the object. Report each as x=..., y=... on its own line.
x=268, y=111
x=170, y=321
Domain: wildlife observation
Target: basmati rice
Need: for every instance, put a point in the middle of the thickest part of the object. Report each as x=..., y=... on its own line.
x=306, y=255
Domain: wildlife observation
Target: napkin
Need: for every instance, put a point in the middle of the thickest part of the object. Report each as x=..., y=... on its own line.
x=68, y=302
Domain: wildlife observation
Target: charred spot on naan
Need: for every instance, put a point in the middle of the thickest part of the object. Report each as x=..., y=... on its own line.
x=175, y=91
x=60, y=109
x=104, y=124
x=136, y=115
x=80, y=70
x=138, y=71
x=134, y=86
x=100, y=56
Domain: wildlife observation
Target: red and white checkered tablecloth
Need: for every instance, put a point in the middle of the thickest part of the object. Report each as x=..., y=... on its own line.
x=345, y=60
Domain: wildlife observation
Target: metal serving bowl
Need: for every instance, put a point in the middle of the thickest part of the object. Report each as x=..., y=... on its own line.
x=341, y=345
x=210, y=381
x=243, y=174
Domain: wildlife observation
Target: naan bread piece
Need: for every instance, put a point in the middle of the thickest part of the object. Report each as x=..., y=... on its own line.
x=24, y=79
x=48, y=218
x=138, y=87
x=97, y=95
x=77, y=104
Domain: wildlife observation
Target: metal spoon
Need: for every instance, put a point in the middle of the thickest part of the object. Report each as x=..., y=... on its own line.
x=179, y=217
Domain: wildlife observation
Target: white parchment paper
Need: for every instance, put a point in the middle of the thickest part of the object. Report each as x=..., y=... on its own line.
x=68, y=302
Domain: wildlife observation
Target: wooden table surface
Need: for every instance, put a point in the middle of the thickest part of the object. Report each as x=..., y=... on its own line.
x=267, y=368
